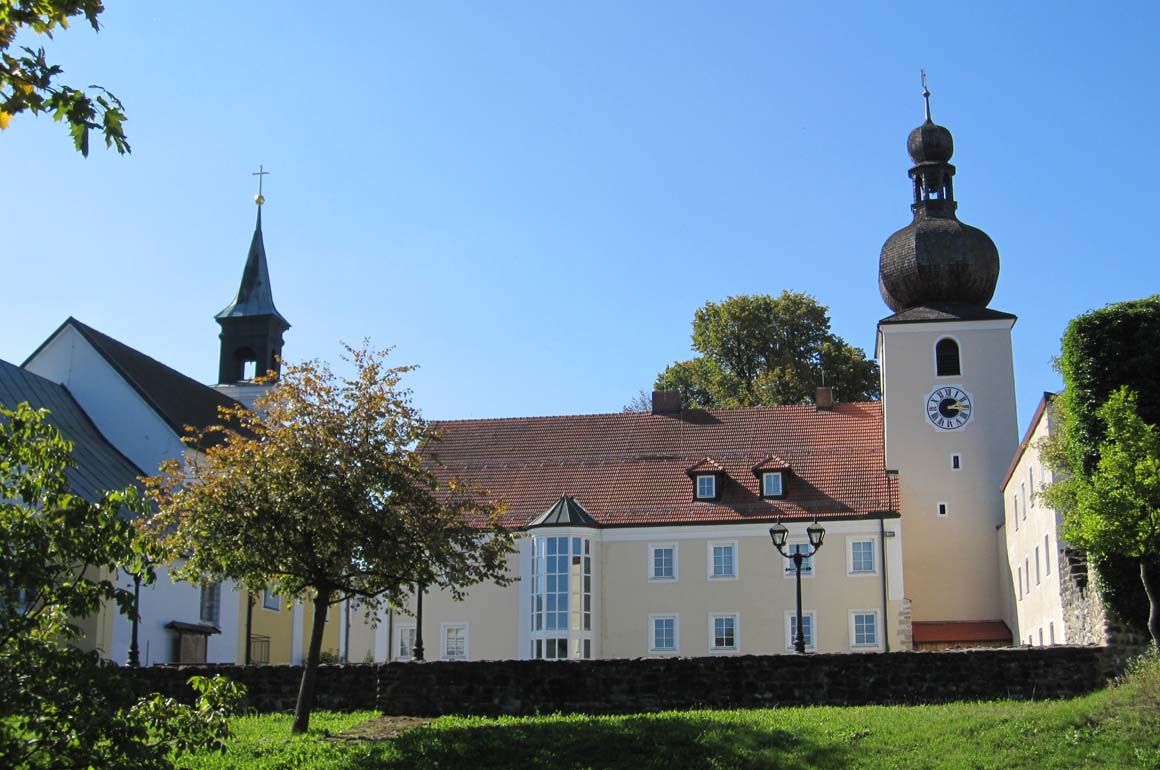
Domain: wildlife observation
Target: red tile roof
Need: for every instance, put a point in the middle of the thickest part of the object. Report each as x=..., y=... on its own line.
x=961, y=631
x=630, y=469
x=706, y=465
x=771, y=463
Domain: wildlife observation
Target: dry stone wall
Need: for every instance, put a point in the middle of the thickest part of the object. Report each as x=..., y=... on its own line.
x=655, y=684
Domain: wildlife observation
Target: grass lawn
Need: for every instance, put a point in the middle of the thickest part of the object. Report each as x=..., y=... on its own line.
x=1115, y=728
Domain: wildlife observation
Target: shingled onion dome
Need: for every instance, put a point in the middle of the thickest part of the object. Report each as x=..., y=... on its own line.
x=936, y=259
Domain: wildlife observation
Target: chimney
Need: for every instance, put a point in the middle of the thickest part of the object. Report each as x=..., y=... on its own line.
x=824, y=399
x=666, y=402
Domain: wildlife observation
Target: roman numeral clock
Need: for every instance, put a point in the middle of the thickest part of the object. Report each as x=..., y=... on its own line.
x=949, y=407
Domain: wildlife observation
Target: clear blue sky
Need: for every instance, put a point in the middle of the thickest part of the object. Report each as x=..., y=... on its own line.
x=530, y=200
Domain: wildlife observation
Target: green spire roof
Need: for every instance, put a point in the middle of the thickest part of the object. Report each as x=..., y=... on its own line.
x=255, y=297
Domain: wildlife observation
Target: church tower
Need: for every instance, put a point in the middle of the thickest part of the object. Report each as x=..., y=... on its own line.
x=948, y=393
x=252, y=328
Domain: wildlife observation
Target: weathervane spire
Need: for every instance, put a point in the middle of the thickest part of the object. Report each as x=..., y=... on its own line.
x=261, y=172
x=925, y=93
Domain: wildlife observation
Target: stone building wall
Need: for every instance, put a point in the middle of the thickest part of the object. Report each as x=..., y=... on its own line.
x=1086, y=619
x=653, y=684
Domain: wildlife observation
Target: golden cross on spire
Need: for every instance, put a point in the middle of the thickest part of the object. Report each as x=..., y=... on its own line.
x=261, y=172
x=925, y=93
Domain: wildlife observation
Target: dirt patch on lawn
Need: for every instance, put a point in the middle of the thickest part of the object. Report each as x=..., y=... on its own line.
x=381, y=729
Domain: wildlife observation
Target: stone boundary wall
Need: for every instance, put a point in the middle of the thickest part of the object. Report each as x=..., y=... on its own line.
x=271, y=689
x=655, y=684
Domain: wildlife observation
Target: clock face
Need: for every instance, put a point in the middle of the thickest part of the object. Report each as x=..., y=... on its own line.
x=949, y=408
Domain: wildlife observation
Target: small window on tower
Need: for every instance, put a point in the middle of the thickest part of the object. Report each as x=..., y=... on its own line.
x=956, y=462
x=946, y=354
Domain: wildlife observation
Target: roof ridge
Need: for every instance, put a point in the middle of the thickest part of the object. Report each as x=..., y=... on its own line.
x=715, y=411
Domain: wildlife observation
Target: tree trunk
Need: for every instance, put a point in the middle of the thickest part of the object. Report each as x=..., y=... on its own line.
x=1148, y=569
x=310, y=672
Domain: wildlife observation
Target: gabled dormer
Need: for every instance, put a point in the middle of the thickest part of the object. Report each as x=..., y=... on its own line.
x=708, y=477
x=772, y=477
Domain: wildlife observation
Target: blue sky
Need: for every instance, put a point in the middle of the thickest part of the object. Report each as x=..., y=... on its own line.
x=530, y=200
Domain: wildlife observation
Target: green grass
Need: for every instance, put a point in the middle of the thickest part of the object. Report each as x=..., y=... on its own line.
x=1115, y=728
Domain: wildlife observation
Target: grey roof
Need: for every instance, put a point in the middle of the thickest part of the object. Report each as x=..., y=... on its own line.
x=946, y=312
x=177, y=399
x=99, y=466
x=566, y=512
x=255, y=296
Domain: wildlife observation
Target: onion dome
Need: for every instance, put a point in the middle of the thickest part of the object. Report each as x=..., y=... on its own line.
x=936, y=259
x=930, y=143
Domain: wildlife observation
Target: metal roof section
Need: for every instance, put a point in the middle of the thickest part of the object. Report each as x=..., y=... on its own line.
x=565, y=513
x=177, y=399
x=99, y=466
x=255, y=297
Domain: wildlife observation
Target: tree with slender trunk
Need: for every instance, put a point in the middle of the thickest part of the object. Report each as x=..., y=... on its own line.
x=324, y=492
x=1115, y=509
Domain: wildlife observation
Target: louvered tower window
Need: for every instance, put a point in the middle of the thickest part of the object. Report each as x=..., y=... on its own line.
x=946, y=354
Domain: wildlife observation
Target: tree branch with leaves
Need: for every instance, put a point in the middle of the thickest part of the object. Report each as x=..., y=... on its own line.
x=29, y=83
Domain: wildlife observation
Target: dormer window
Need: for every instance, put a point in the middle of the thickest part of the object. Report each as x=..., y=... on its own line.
x=772, y=484
x=707, y=476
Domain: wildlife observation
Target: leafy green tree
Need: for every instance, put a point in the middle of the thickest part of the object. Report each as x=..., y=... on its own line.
x=1114, y=510
x=323, y=492
x=1103, y=350
x=760, y=350
x=28, y=82
x=61, y=707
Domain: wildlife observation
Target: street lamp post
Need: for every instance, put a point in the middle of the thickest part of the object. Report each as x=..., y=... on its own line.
x=417, y=651
x=135, y=649
x=779, y=534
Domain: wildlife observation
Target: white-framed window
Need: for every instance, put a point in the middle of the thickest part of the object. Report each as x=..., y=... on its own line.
x=862, y=556
x=1027, y=573
x=1015, y=508
x=1047, y=554
x=706, y=486
x=790, y=570
x=664, y=632
x=1040, y=630
x=956, y=462
x=271, y=600
x=1031, y=483
x=1036, y=565
x=809, y=626
x=405, y=642
x=1023, y=497
x=865, y=631
x=942, y=509
x=724, y=632
x=772, y=484
x=662, y=562
x=211, y=603
x=453, y=641
x=723, y=560
x=1051, y=632
x=552, y=648
x=1019, y=580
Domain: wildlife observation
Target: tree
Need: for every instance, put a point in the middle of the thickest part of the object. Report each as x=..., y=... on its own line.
x=1101, y=351
x=61, y=707
x=324, y=492
x=760, y=350
x=29, y=83
x=1115, y=509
